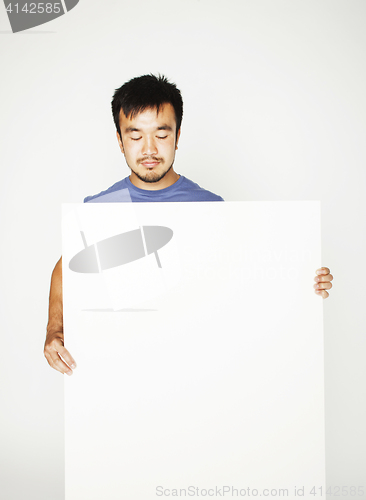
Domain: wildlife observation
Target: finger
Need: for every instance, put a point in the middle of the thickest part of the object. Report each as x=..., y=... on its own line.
x=56, y=363
x=323, y=286
x=66, y=356
x=60, y=365
x=323, y=270
x=327, y=277
x=322, y=293
x=55, y=352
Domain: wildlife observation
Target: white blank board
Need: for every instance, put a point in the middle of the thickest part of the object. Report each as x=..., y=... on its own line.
x=202, y=377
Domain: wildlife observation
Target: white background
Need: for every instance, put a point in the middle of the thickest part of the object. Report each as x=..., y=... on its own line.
x=274, y=110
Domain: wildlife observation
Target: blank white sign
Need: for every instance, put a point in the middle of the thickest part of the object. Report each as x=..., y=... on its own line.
x=202, y=377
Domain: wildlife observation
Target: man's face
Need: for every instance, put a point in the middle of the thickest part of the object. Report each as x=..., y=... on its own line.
x=149, y=143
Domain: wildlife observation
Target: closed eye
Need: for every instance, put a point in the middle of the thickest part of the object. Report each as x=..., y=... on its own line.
x=158, y=137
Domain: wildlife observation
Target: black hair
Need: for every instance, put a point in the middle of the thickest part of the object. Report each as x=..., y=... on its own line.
x=144, y=92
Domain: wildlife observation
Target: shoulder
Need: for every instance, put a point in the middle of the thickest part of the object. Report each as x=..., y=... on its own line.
x=108, y=194
x=196, y=193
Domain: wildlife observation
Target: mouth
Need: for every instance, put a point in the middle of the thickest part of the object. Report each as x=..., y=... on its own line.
x=150, y=164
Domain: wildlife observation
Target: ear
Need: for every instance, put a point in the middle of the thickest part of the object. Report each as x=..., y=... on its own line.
x=176, y=142
x=119, y=139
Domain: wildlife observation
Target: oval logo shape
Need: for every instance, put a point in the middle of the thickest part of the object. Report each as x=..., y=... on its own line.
x=121, y=249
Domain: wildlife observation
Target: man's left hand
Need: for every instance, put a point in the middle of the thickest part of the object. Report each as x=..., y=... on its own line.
x=323, y=282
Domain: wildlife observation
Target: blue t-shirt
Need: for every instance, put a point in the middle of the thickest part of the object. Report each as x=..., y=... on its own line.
x=182, y=190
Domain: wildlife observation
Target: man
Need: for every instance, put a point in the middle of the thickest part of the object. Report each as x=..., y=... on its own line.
x=147, y=112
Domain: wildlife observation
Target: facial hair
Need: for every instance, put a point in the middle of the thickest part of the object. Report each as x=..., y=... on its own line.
x=151, y=176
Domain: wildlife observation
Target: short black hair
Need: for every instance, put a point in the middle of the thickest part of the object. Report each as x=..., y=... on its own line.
x=144, y=92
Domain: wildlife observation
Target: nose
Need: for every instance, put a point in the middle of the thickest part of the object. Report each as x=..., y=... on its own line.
x=149, y=146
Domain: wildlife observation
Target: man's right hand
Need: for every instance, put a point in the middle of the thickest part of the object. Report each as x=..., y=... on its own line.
x=54, y=349
x=57, y=355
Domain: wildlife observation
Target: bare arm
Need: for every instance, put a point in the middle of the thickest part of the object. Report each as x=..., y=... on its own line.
x=54, y=345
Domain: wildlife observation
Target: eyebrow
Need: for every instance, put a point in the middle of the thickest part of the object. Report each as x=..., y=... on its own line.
x=128, y=130
x=165, y=127
x=132, y=129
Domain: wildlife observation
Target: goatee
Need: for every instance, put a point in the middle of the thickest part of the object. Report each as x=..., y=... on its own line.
x=152, y=176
